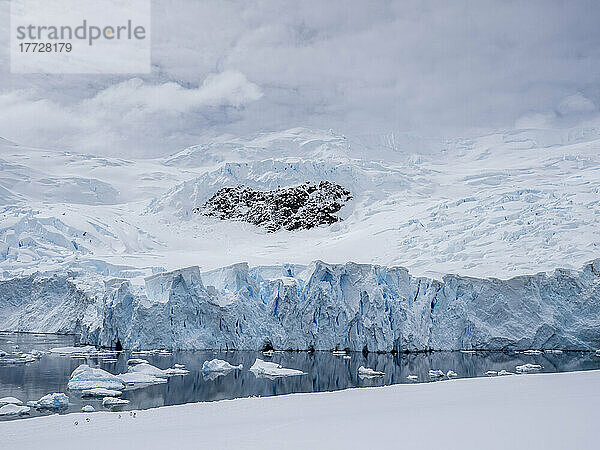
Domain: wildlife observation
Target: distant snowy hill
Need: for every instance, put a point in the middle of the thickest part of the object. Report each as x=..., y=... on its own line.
x=499, y=205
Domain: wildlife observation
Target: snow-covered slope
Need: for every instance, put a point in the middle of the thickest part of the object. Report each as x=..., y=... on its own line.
x=320, y=306
x=500, y=205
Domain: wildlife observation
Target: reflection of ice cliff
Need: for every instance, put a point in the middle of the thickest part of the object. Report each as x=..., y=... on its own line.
x=320, y=306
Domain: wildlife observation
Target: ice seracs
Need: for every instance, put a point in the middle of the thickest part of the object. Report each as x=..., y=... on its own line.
x=13, y=410
x=367, y=372
x=86, y=377
x=266, y=369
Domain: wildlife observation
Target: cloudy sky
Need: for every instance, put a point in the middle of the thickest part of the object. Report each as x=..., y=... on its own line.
x=428, y=68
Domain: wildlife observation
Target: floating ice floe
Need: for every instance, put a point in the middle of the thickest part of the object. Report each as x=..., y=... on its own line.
x=504, y=372
x=134, y=361
x=553, y=351
x=597, y=352
x=148, y=369
x=346, y=357
x=339, y=352
x=367, y=372
x=175, y=371
x=133, y=378
x=56, y=400
x=526, y=368
x=13, y=410
x=73, y=350
x=100, y=392
x=491, y=373
x=179, y=366
x=88, y=408
x=469, y=352
x=86, y=377
x=10, y=401
x=266, y=369
x=218, y=365
x=268, y=353
x=412, y=377
x=436, y=374
x=451, y=374
x=532, y=352
x=112, y=401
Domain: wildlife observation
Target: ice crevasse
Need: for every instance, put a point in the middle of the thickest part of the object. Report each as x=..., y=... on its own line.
x=319, y=306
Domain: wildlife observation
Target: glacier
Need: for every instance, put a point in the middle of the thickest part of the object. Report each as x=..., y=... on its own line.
x=318, y=306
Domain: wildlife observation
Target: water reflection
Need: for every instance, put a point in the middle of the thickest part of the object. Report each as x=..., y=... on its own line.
x=325, y=372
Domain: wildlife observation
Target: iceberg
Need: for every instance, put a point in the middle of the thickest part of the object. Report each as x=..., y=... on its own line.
x=100, y=392
x=10, y=401
x=135, y=378
x=367, y=372
x=88, y=408
x=86, y=377
x=112, y=401
x=526, y=368
x=436, y=374
x=11, y=409
x=51, y=401
x=74, y=350
x=266, y=369
x=218, y=365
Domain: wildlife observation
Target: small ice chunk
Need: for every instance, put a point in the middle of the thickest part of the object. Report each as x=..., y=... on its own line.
x=147, y=369
x=412, y=377
x=175, y=371
x=436, y=374
x=268, y=353
x=73, y=350
x=179, y=366
x=218, y=365
x=131, y=378
x=11, y=409
x=10, y=401
x=469, y=352
x=532, y=352
x=556, y=352
x=597, y=352
x=451, y=374
x=51, y=401
x=266, y=369
x=100, y=392
x=347, y=357
x=112, y=401
x=134, y=361
x=88, y=408
x=339, y=352
x=86, y=377
x=526, y=368
x=368, y=372
x=491, y=373
x=504, y=372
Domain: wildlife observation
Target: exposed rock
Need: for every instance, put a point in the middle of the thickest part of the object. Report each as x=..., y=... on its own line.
x=292, y=208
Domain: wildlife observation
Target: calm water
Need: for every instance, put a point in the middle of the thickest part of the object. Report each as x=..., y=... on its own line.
x=325, y=372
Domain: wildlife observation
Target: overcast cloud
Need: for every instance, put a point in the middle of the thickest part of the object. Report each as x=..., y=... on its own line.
x=439, y=69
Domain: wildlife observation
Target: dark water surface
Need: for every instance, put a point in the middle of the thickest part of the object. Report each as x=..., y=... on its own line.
x=325, y=372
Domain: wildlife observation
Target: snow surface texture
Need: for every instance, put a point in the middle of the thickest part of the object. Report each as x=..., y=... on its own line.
x=538, y=411
x=292, y=208
x=501, y=205
x=320, y=306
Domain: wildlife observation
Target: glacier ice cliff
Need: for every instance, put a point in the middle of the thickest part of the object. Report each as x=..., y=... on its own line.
x=319, y=306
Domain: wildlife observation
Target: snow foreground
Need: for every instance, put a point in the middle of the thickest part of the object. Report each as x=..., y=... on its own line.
x=542, y=411
x=320, y=306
